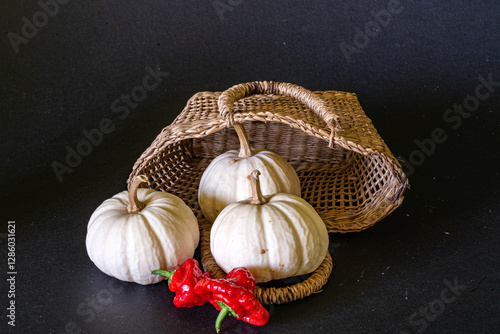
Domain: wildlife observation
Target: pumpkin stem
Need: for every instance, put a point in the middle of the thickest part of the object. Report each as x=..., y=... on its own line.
x=135, y=205
x=245, y=149
x=257, y=197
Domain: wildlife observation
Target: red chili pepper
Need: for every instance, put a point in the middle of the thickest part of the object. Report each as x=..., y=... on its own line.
x=234, y=295
x=182, y=281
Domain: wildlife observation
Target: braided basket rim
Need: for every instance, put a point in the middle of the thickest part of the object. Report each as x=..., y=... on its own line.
x=185, y=128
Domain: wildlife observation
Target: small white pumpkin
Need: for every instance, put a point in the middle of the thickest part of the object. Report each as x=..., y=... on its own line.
x=139, y=230
x=275, y=237
x=225, y=179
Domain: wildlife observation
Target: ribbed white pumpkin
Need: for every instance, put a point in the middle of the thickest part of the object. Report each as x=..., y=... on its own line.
x=135, y=232
x=225, y=179
x=275, y=237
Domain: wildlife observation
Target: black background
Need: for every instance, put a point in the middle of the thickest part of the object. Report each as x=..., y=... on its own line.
x=407, y=73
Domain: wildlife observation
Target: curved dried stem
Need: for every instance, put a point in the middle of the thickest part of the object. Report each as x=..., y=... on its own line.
x=135, y=206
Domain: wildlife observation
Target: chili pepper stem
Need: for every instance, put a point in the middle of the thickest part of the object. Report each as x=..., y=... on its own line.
x=224, y=311
x=167, y=274
x=222, y=314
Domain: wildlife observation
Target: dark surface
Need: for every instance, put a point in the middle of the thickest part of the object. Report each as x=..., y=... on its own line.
x=430, y=56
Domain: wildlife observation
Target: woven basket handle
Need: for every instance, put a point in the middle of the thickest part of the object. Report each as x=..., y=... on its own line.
x=312, y=101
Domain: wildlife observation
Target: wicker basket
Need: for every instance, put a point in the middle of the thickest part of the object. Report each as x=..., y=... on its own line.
x=347, y=172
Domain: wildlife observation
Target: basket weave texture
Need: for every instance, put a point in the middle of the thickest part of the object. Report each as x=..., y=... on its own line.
x=352, y=184
x=347, y=172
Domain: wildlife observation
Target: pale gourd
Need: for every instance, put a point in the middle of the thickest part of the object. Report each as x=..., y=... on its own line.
x=139, y=230
x=275, y=236
x=225, y=179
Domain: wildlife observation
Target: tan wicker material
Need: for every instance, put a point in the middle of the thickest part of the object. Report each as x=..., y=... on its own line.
x=347, y=172
x=352, y=184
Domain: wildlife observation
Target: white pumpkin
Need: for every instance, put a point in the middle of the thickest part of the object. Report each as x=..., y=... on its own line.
x=225, y=179
x=275, y=237
x=140, y=230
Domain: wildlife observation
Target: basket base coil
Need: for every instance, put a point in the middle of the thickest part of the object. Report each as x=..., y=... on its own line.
x=347, y=173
